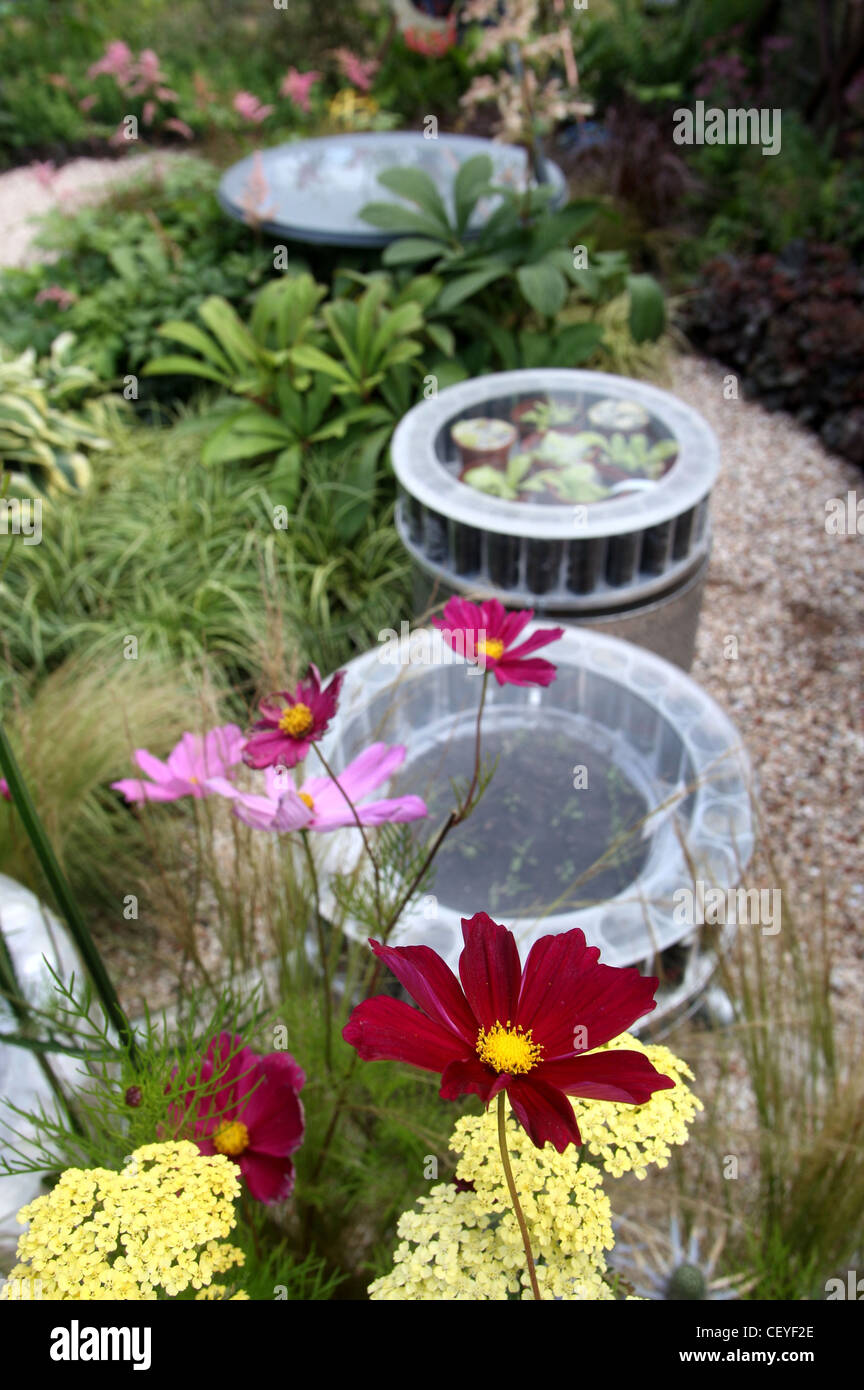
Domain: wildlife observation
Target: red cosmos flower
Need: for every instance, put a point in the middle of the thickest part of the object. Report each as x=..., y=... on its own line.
x=254, y=1115
x=485, y=632
x=291, y=723
x=526, y=1032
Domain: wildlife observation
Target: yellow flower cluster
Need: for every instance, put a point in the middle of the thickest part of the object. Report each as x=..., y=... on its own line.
x=627, y=1138
x=467, y=1246
x=157, y=1226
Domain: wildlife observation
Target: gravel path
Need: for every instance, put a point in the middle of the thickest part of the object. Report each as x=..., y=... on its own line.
x=793, y=596
x=24, y=197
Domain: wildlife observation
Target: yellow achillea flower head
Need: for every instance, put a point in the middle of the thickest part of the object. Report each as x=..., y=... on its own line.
x=465, y=1245
x=155, y=1228
x=627, y=1138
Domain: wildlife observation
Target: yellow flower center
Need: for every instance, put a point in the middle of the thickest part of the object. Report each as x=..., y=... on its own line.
x=508, y=1049
x=493, y=647
x=296, y=721
x=305, y=797
x=231, y=1138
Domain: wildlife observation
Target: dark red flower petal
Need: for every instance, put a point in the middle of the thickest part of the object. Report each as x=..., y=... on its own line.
x=544, y=1112
x=468, y=1076
x=620, y=1074
x=274, y=1118
x=564, y=988
x=269, y=1179
x=490, y=970
x=384, y=1029
x=431, y=984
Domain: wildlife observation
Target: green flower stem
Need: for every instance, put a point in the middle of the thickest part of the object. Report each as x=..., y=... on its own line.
x=322, y=951
x=514, y=1196
x=373, y=859
x=65, y=900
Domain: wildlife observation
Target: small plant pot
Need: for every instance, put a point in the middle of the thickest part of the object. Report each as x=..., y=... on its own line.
x=483, y=442
x=525, y=427
x=618, y=416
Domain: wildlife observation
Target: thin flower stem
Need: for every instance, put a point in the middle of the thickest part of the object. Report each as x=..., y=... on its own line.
x=322, y=952
x=466, y=806
x=357, y=821
x=455, y=818
x=514, y=1196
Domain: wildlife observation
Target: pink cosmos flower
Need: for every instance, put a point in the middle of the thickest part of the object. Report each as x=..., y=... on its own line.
x=191, y=767
x=116, y=62
x=44, y=171
x=292, y=722
x=254, y=1116
x=148, y=112
x=4, y=789
x=321, y=805
x=296, y=86
x=55, y=294
x=250, y=108
x=358, y=72
x=87, y=103
x=485, y=633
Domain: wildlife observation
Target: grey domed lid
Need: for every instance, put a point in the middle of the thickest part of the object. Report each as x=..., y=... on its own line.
x=313, y=190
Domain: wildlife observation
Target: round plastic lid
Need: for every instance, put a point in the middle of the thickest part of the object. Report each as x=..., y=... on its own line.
x=313, y=190
x=643, y=456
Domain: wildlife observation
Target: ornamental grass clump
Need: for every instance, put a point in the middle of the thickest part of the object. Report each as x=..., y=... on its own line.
x=151, y=1231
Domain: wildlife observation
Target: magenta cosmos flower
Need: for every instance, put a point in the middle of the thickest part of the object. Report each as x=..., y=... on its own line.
x=528, y=1032
x=291, y=723
x=191, y=769
x=320, y=804
x=4, y=789
x=485, y=632
x=251, y=1112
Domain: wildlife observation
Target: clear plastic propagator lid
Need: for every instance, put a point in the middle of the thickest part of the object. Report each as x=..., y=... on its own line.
x=611, y=474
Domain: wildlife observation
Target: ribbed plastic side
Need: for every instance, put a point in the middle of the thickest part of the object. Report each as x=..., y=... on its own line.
x=614, y=567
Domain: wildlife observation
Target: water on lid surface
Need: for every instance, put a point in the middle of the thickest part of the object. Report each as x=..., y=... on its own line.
x=533, y=834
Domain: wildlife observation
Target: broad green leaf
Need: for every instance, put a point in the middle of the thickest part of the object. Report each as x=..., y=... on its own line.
x=469, y=185
x=442, y=337
x=229, y=330
x=192, y=337
x=408, y=250
x=419, y=188
x=543, y=286
x=390, y=217
x=314, y=360
x=647, y=316
x=464, y=286
x=177, y=365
